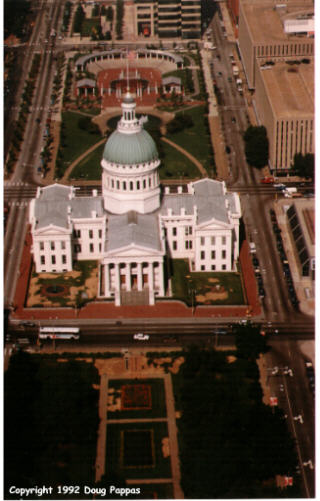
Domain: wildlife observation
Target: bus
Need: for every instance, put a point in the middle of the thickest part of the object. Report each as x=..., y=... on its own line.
x=59, y=333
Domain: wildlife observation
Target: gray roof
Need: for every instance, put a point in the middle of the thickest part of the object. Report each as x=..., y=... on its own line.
x=209, y=197
x=133, y=228
x=84, y=59
x=128, y=149
x=52, y=205
x=171, y=79
x=86, y=82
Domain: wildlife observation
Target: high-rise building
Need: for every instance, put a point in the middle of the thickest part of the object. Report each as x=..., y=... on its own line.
x=168, y=18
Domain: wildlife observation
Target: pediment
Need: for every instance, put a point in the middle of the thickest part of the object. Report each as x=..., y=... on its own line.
x=132, y=251
x=51, y=230
x=213, y=224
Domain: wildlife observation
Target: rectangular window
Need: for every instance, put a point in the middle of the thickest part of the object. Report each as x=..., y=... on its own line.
x=203, y=268
x=53, y=259
x=213, y=254
x=202, y=255
x=223, y=254
x=52, y=245
x=91, y=248
x=77, y=233
x=213, y=267
x=188, y=230
x=42, y=259
x=100, y=233
x=174, y=245
x=188, y=244
x=41, y=245
x=77, y=248
x=63, y=245
x=64, y=259
x=202, y=241
x=213, y=240
x=99, y=247
x=90, y=233
x=224, y=267
x=223, y=240
x=174, y=232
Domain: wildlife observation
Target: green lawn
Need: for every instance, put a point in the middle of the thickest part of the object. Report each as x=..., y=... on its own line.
x=89, y=167
x=196, y=139
x=76, y=141
x=175, y=165
x=88, y=24
x=184, y=282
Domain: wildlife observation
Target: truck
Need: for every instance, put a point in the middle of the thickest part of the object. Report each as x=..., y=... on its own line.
x=252, y=247
x=290, y=192
x=235, y=70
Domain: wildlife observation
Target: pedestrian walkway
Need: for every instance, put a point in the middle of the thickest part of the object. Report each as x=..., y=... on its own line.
x=187, y=154
x=136, y=369
x=67, y=173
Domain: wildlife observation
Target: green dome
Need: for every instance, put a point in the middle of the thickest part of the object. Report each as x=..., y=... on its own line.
x=129, y=149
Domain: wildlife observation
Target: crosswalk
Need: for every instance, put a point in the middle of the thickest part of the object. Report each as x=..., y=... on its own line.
x=15, y=183
x=20, y=204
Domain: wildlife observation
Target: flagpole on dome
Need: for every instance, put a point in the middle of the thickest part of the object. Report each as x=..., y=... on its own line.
x=128, y=87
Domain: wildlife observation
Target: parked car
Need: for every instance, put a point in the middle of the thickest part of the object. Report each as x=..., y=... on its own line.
x=267, y=180
x=141, y=337
x=255, y=261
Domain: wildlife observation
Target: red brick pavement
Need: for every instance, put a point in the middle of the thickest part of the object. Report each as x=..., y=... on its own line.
x=107, y=310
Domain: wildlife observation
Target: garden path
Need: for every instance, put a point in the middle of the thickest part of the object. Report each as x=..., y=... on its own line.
x=68, y=171
x=188, y=155
x=102, y=431
x=137, y=366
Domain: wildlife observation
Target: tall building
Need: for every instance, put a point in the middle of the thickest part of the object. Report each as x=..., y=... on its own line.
x=276, y=43
x=270, y=31
x=284, y=99
x=168, y=18
x=133, y=228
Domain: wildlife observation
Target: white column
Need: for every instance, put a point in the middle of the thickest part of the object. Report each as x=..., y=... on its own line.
x=117, y=277
x=128, y=276
x=161, y=279
x=106, y=280
x=139, y=276
x=151, y=276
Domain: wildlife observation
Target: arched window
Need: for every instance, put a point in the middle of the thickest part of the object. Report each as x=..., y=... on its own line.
x=124, y=185
x=138, y=185
x=118, y=185
x=144, y=183
x=112, y=183
x=131, y=185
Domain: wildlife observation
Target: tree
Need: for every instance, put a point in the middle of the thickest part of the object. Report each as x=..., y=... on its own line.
x=249, y=342
x=109, y=15
x=256, y=146
x=78, y=19
x=304, y=165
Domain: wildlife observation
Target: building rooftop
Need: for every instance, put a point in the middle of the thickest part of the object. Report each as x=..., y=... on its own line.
x=133, y=228
x=266, y=19
x=290, y=89
x=209, y=198
x=54, y=203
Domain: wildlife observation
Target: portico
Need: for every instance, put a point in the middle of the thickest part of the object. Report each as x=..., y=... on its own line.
x=133, y=275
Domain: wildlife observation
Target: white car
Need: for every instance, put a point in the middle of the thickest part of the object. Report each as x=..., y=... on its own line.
x=141, y=337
